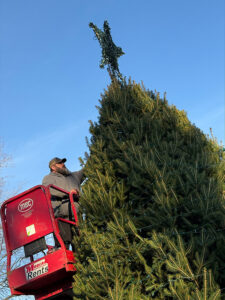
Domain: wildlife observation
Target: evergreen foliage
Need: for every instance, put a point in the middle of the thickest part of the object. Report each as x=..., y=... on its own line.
x=153, y=202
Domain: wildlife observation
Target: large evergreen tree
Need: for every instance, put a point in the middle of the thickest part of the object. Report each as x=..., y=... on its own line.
x=153, y=203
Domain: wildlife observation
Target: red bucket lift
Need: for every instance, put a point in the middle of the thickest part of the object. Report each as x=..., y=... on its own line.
x=27, y=219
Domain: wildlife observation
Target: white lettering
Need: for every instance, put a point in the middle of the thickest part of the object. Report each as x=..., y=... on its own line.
x=25, y=205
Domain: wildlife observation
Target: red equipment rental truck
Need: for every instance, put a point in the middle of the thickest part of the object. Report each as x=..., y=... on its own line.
x=28, y=221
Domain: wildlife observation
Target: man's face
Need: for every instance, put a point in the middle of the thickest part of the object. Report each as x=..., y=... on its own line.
x=60, y=168
x=60, y=165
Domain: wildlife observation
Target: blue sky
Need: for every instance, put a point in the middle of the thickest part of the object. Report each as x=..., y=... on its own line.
x=50, y=80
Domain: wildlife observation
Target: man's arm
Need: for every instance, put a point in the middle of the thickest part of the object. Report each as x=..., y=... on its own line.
x=79, y=175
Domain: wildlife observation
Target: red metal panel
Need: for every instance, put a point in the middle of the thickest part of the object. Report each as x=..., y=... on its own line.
x=65, y=290
x=40, y=273
x=27, y=218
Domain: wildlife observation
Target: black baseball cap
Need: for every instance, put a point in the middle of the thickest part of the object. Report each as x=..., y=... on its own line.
x=56, y=160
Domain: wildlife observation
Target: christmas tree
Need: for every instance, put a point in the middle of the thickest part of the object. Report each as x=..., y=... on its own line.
x=153, y=203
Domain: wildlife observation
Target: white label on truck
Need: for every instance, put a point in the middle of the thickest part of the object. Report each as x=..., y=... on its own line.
x=36, y=269
x=30, y=230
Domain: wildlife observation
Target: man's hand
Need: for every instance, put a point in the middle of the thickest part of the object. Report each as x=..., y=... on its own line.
x=75, y=194
x=74, y=191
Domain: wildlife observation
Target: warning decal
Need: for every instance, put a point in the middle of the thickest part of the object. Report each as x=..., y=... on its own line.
x=30, y=230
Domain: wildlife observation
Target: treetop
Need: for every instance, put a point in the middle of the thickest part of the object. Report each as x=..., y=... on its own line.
x=110, y=52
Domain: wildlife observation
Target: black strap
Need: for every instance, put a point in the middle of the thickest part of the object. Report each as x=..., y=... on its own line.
x=56, y=198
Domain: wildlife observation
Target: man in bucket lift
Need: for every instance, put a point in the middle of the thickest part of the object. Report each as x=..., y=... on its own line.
x=60, y=176
x=64, y=179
